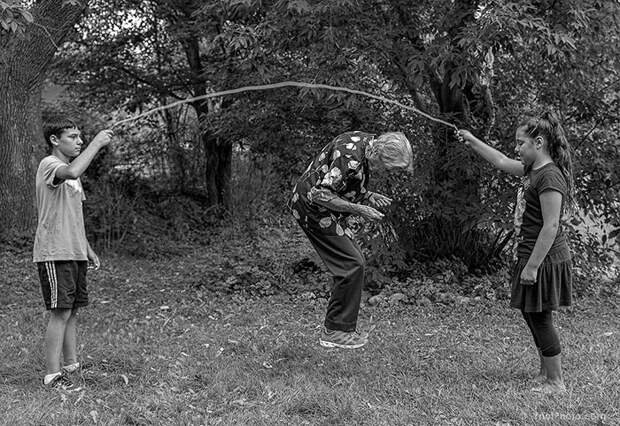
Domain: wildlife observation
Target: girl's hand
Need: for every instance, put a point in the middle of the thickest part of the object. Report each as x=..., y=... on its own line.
x=465, y=136
x=379, y=200
x=529, y=275
x=93, y=259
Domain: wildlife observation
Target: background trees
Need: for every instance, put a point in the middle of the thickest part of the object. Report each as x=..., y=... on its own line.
x=30, y=33
x=484, y=65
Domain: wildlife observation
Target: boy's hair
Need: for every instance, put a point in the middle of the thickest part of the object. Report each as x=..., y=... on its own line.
x=548, y=126
x=55, y=126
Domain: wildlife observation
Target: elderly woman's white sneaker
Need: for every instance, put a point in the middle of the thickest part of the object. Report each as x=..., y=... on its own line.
x=342, y=339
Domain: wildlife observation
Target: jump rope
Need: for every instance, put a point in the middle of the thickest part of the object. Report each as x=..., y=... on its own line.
x=280, y=85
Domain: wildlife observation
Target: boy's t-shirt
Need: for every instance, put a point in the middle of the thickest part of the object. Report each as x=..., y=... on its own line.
x=60, y=230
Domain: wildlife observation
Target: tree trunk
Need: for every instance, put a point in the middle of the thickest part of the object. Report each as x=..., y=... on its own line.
x=454, y=172
x=218, y=171
x=218, y=153
x=24, y=62
x=20, y=138
x=175, y=157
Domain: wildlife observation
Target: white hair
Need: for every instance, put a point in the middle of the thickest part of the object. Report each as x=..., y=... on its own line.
x=393, y=149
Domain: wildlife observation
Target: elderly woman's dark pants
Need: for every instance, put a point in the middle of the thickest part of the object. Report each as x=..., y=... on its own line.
x=344, y=259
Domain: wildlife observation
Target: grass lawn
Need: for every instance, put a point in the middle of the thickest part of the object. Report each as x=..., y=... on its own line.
x=161, y=347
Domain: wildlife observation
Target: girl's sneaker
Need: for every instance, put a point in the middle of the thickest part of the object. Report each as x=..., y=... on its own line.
x=342, y=339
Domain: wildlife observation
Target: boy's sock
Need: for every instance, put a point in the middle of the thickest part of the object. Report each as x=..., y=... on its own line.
x=71, y=368
x=49, y=378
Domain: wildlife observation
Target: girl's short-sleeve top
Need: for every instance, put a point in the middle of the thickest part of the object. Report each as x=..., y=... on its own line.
x=528, y=213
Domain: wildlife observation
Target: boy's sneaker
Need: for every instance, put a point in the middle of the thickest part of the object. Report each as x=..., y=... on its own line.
x=60, y=382
x=342, y=339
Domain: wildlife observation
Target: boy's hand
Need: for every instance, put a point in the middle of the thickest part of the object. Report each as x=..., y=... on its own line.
x=379, y=200
x=93, y=259
x=103, y=138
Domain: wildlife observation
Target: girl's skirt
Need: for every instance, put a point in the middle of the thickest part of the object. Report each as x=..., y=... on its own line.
x=552, y=289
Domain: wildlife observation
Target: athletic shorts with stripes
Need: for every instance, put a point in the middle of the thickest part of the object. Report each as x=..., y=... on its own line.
x=63, y=283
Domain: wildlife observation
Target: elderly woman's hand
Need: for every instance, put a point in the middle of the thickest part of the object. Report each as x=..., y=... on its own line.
x=368, y=212
x=379, y=200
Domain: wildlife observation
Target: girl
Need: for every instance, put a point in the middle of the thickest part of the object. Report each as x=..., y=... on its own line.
x=541, y=277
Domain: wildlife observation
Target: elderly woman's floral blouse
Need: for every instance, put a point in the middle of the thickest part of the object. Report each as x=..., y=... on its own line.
x=340, y=170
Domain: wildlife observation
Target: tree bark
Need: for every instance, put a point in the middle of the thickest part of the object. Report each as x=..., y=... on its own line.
x=20, y=131
x=218, y=171
x=24, y=62
x=218, y=152
x=454, y=169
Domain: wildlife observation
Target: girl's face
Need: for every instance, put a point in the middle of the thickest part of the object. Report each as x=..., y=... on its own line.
x=526, y=147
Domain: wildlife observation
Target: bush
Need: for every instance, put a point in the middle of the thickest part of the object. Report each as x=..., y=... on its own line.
x=125, y=214
x=437, y=237
x=418, y=229
x=258, y=191
x=144, y=217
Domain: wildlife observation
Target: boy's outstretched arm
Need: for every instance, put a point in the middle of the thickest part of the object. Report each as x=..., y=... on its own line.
x=493, y=156
x=82, y=161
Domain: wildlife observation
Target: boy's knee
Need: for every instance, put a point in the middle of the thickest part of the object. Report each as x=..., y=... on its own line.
x=61, y=314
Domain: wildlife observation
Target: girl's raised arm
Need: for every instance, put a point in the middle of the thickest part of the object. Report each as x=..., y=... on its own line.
x=493, y=156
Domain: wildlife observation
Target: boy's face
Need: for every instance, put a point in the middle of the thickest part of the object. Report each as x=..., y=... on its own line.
x=69, y=143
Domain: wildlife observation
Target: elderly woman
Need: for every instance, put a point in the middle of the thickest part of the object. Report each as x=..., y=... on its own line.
x=330, y=190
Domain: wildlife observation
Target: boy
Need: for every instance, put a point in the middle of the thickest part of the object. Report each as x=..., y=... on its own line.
x=61, y=250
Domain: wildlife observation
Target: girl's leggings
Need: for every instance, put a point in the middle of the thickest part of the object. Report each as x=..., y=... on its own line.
x=543, y=331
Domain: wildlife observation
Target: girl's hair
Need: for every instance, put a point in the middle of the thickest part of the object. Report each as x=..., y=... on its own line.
x=55, y=126
x=549, y=127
